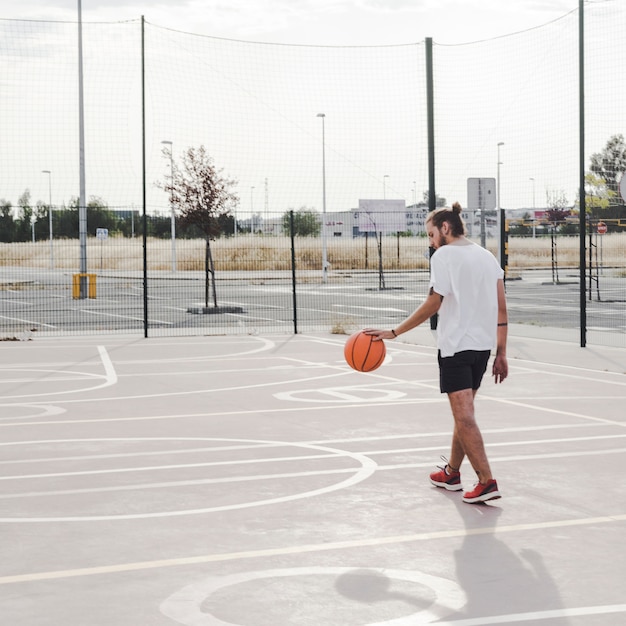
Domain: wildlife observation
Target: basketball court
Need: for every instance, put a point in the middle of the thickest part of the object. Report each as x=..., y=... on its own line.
x=259, y=481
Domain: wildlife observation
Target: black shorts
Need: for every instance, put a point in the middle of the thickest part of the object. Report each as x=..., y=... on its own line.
x=464, y=370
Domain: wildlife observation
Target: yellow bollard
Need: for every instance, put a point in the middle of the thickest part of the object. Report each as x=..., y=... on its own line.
x=92, y=285
x=91, y=288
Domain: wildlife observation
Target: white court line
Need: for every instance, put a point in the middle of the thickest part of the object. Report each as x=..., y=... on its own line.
x=602, y=380
x=299, y=408
x=255, y=446
x=17, y=302
x=280, y=476
x=536, y=615
x=125, y=317
x=154, y=468
x=132, y=455
x=182, y=483
x=335, y=374
x=366, y=467
x=305, y=549
x=110, y=378
x=248, y=461
x=19, y=319
x=533, y=407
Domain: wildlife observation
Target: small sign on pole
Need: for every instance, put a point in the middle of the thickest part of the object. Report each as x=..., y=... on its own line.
x=602, y=228
x=481, y=194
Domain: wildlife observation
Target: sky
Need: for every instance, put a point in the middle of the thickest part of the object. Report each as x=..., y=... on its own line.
x=315, y=22
x=325, y=23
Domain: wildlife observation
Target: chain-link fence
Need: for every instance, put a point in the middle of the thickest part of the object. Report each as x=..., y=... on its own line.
x=275, y=284
x=321, y=130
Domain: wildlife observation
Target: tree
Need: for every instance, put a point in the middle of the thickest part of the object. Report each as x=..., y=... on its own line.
x=610, y=164
x=25, y=218
x=66, y=222
x=306, y=222
x=558, y=208
x=201, y=195
x=439, y=201
x=7, y=224
x=598, y=196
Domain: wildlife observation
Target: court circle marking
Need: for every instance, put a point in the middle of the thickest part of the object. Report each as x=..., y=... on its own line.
x=266, y=344
x=45, y=410
x=184, y=606
x=342, y=394
x=366, y=467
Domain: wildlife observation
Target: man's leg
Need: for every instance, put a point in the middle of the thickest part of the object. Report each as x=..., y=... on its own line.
x=467, y=439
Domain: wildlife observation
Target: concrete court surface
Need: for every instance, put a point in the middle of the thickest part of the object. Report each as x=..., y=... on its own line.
x=258, y=481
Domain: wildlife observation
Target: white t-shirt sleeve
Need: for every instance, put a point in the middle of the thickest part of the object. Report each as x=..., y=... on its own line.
x=466, y=276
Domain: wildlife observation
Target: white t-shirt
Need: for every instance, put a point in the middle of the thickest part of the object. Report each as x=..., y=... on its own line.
x=466, y=275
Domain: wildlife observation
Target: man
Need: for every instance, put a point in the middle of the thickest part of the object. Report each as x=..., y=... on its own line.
x=467, y=290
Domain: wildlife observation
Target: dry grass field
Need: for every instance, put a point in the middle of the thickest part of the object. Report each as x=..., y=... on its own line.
x=258, y=253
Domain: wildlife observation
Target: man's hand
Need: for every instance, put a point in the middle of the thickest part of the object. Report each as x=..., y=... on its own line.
x=379, y=334
x=500, y=368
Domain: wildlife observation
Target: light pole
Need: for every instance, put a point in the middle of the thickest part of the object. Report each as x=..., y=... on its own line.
x=533, y=180
x=172, y=216
x=414, y=195
x=324, y=250
x=252, y=210
x=385, y=177
x=50, y=215
x=501, y=143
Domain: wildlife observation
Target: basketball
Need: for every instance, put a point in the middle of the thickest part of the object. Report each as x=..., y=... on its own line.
x=364, y=354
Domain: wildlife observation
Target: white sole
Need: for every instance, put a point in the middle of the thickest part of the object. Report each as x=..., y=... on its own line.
x=492, y=495
x=448, y=487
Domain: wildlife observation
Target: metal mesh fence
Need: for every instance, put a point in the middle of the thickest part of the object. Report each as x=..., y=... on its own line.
x=374, y=281
x=505, y=108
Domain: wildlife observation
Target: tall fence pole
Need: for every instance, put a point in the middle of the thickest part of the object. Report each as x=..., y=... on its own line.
x=430, y=108
x=143, y=153
x=82, y=202
x=293, y=273
x=583, y=206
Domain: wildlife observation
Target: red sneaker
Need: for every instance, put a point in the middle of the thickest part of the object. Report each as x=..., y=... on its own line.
x=482, y=493
x=447, y=479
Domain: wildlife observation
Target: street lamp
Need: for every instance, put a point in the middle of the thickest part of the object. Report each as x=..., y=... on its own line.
x=172, y=216
x=501, y=143
x=252, y=210
x=533, y=206
x=324, y=251
x=385, y=186
x=50, y=215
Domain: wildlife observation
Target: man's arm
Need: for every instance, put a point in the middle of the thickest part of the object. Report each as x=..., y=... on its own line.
x=425, y=311
x=500, y=368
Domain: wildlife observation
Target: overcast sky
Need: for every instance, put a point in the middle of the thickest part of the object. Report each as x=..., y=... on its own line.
x=538, y=78
x=322, y=22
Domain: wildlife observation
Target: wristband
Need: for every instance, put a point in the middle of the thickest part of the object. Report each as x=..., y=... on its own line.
x=503, y=324
x=393, y=332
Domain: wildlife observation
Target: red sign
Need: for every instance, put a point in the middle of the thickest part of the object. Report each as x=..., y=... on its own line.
x=601, y=228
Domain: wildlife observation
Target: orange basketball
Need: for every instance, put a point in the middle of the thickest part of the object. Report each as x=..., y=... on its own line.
x=363, y=353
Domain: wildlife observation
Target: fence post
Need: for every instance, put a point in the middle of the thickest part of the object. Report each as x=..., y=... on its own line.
x=293, y=273
x=504, y=243
x=434, y=319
